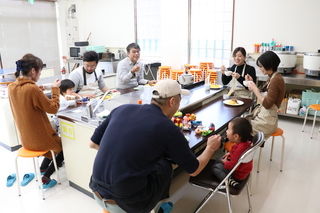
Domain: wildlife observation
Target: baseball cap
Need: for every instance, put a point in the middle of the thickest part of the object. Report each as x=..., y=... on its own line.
x=168, y=88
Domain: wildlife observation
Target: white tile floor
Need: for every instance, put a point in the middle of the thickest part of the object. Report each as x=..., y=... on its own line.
x=294, y=190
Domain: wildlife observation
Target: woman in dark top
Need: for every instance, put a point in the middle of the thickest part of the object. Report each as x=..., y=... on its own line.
x=239, y=70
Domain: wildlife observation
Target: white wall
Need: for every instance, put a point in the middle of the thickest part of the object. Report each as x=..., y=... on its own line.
x=289, y=22
x=111, y=22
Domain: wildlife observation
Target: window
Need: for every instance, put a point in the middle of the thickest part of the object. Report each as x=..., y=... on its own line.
x=148, y=25
x=211, y=31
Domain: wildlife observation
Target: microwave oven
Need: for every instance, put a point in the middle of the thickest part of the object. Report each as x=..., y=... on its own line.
x=76, y=52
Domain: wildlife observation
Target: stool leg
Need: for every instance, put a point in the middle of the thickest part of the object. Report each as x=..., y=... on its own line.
x=55, y=165
x=282, y=152
x=314, y=121
x=305, y=119
x=259, y=160
x=35, y=170
x=271, y=148
x=17, y=176
x=39, y=174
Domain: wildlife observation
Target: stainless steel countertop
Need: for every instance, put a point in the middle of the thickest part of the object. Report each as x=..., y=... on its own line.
x=197, y=96
x=296, y=79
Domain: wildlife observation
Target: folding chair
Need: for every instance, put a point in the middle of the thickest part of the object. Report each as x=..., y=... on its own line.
x=207, y=181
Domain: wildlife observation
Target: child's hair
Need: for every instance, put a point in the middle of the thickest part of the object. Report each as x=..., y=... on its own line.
x=243, y=128
x=65, y=85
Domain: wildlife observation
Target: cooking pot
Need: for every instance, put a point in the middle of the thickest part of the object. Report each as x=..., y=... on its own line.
x=186, y=79
x=311, y=64
x=288, y=59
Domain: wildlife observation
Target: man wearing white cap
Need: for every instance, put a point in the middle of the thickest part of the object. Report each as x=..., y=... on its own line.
x=131, y=171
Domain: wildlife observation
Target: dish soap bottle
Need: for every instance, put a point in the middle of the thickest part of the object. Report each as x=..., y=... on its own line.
x=272, y=45
x=303, y=110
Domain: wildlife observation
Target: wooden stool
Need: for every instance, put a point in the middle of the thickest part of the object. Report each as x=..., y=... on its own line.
x=212, y=76
x=278, y=132
x=187, y=67
x=25, y=153
x=175, y=74
x=205, y=66
x=315, y=107
x=197, y=73
x=164, y=72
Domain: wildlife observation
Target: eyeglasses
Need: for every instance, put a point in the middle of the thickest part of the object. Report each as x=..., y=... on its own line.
x=90, y=66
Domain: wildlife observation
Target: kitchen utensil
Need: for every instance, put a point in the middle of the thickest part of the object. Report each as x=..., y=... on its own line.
x=311, y=64
x=288, y=61
x=186, y=79
x=228, y=73
x=47, y=86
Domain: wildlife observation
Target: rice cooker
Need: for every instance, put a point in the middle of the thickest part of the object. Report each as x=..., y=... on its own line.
x=311, y=64
x=288, y=61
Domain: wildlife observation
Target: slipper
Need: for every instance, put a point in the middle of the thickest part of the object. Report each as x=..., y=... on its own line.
x=52, y=183
x=166, y=207
x=26, y=179
x=11, y=179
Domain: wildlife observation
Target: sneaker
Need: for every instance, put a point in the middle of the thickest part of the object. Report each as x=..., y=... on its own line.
x=234, y=183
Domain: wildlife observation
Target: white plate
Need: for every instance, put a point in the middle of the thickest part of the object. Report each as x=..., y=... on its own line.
x=239, y=103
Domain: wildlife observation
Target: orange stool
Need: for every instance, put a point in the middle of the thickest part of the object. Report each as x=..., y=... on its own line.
x=212, y=75
x=278, y=132
x=175, y=74
x=205, y=66
x=105, y=211
x=164, y=72
x=187, y=67
x=197, y=73
x=25, y=153
x=315, y=107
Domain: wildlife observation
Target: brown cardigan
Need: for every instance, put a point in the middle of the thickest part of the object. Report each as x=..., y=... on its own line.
x=276, y=92
x=29, y=106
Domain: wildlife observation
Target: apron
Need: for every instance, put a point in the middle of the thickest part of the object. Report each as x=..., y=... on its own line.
x=239, y=90
x=265, y=120
x=89, y=88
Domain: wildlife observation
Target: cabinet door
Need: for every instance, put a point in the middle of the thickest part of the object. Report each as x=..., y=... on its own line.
x=110, y=82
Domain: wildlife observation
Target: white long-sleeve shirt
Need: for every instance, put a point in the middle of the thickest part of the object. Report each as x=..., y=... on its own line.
x=125, y=78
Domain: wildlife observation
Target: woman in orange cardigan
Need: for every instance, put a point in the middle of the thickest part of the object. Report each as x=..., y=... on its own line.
x=29, y=106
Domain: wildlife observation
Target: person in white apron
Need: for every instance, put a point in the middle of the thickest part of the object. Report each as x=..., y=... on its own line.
x=239, y=70
x=264, y=118
x=88, y=79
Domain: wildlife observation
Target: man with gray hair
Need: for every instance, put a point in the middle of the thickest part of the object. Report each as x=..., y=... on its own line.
x=131, y=172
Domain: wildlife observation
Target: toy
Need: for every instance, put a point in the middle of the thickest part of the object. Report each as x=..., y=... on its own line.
x=177, y=121
x=192, y=117
x=212, y=127
x=199, y=130
x=195, y=124
x=185, y=120
x=207, y=132
x=186, y=126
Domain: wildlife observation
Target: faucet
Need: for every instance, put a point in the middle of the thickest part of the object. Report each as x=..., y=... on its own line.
x=100, y=101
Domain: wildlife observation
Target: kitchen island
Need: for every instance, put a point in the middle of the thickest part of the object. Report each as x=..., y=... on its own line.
x=76, y=133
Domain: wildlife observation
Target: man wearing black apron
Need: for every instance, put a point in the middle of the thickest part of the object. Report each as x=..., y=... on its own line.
x=88, y=79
